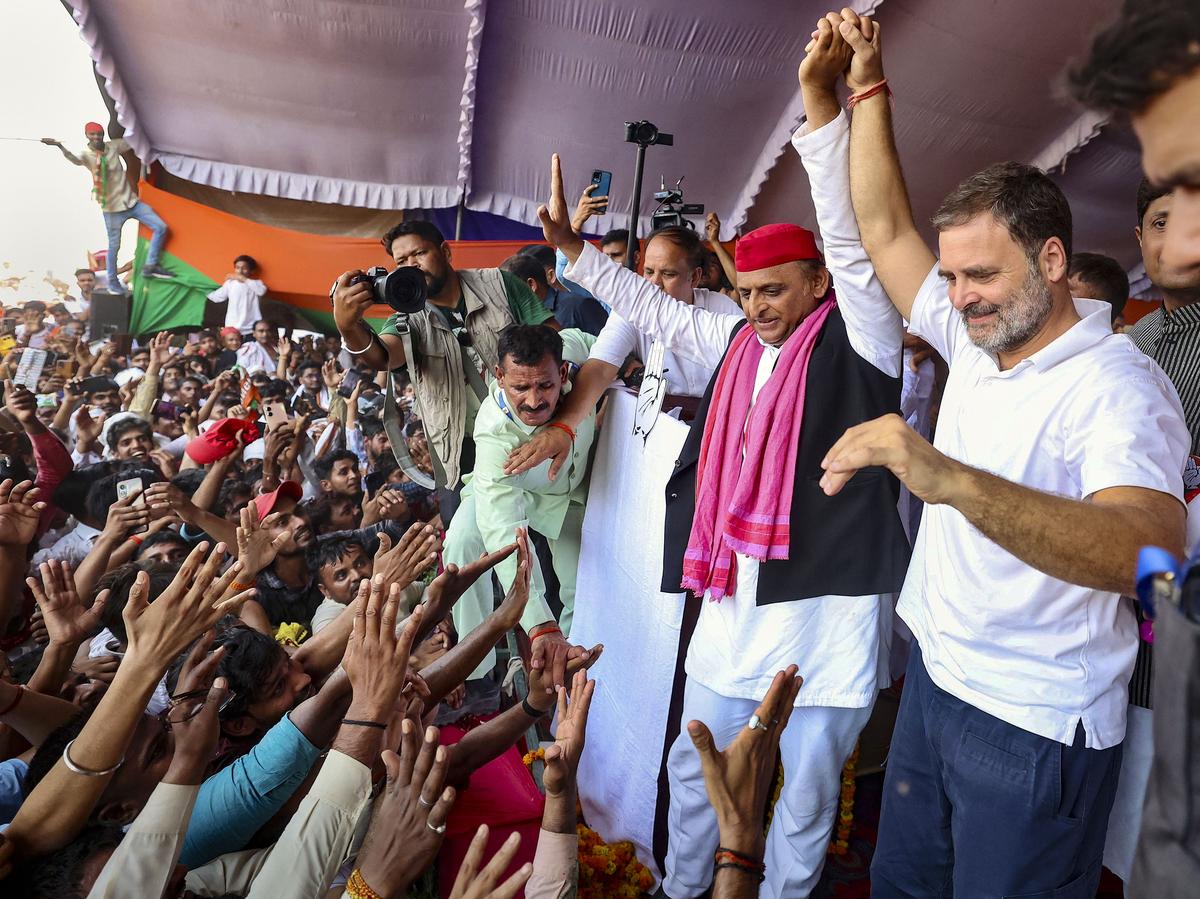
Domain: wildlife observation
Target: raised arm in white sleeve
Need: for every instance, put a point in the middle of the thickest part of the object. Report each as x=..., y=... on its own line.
x=874, y=327
x=687, y=330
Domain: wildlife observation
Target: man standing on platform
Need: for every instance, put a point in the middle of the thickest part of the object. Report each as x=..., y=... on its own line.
x=534, y=373
x=781, y=570
x=117, y=197
x=1059, y=453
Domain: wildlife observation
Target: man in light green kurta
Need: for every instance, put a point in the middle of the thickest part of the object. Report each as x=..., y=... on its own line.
x=536, y=365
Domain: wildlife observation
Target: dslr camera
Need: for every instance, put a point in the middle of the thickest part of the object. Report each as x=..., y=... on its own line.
x=403, y=288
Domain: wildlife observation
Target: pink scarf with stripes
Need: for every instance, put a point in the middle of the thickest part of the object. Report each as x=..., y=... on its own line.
x=747, y=466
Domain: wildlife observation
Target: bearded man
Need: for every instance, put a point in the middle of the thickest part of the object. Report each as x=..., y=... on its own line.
x=1059, y=454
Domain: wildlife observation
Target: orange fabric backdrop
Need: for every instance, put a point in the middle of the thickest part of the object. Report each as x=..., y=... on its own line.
x=298, y=267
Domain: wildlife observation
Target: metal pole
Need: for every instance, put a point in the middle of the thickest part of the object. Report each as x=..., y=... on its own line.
x=462, y=202
x=635, y=208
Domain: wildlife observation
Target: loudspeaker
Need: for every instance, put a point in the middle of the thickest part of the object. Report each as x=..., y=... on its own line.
x=109, y=314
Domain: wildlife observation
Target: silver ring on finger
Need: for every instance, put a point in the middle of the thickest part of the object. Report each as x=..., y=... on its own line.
x=756, y=723
x=423, y=802
x=439, y=829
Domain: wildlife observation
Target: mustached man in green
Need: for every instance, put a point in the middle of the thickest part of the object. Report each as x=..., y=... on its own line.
x=534, y=372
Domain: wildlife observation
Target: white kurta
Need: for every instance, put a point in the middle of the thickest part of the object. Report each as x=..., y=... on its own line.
x=840, y=642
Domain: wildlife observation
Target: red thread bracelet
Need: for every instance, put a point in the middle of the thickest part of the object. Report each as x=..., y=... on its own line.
x=135, y=539
x=543, y=630
x=562, y=426
x=868, y=93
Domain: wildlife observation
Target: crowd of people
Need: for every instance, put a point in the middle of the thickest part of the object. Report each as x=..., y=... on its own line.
x=291, y=616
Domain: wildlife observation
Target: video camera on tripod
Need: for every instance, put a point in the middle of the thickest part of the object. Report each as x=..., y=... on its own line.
x=671, y=208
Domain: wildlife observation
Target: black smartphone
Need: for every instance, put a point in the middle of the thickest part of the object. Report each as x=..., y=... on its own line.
x=349, y=382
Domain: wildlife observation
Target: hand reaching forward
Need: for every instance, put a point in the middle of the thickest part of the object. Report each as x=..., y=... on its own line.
x=556, y=219
x=449, y=586
x=472, y=883
x=411, y=557
x=376, y=660
x=548, y=443
x=562, y=759
x=192, y=603
x=19, y=512
x=68, y=622
x=256, y=546
x=410, y=814
x=739, y=777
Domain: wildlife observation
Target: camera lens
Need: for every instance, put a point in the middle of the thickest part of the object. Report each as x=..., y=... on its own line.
x=404, y=289
x=645, y=133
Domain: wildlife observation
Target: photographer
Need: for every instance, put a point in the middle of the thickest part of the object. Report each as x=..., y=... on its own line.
x=465, y=312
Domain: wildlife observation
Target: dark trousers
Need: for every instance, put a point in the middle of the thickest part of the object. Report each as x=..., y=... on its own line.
x=974, y=807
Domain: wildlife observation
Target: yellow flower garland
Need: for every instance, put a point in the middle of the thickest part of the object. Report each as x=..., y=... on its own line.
x=605, y=871
x=840, y=844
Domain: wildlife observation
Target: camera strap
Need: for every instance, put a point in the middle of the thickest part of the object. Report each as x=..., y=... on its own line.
x=393, y=424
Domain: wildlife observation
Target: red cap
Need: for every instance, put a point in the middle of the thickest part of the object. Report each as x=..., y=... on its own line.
x=774, y=245
x=229, y=329
x=265, y=502
x=220, y=440
x=93, y=126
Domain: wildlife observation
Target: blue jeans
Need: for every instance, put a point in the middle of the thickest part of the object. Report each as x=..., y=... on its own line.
x=113, y=221
x=977, y=808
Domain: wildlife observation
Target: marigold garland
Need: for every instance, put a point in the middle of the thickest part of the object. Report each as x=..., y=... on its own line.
x=605, y=871
x=840, y=844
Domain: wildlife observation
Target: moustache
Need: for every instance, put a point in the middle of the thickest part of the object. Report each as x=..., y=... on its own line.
x=533, y=410
x=978, y=310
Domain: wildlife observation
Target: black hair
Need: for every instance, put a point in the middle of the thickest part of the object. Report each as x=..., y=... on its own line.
x=189, y=480
x=525, y=267
x=166, y=535
x=543, y=253
x=1147, y=193
x=370, y=427
x=685, y=239
x=60, y=875
x=230, y=490
x=1106, y=275
x=103, y=493
x=529, y=345
x=1151, y=46
x=615, y=235
x=123, y=427
x=98, y=384
x=323, y=467
x=330, y=549
x=249, y=660
x=377, y=478
x=319, y=511
x=84, y=271
x=71, y=494
x=249, y=260
x=119, y=582
x=1022, y=198
x=34, y=306
x=274, y=388
x=427, y=231
x=307, y=364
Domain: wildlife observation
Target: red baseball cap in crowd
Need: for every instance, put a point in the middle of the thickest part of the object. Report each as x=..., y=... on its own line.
x=220, y=440
x=229, y=329
x=93, y=127
x=265, y=503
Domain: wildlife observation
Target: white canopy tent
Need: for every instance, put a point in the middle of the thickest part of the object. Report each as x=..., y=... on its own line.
x=397, y=104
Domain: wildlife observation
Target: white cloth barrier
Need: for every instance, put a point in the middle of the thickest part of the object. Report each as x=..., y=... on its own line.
x=618, y=603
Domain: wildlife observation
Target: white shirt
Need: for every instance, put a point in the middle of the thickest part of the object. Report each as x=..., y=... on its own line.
x=71, y=548
x=1085, y=413
x=243, y=298
x=253, y=357
x=686, y=376
x=839, y=642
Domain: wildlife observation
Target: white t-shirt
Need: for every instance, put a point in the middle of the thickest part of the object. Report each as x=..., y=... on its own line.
x=243, y=298
x=253, y=357
x=686, y=376
x=1086, y=413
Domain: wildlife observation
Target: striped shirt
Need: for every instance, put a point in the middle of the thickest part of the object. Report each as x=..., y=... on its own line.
x=1172, y=339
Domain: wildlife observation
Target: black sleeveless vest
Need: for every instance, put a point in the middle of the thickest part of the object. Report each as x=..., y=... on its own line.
x=851, y=544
